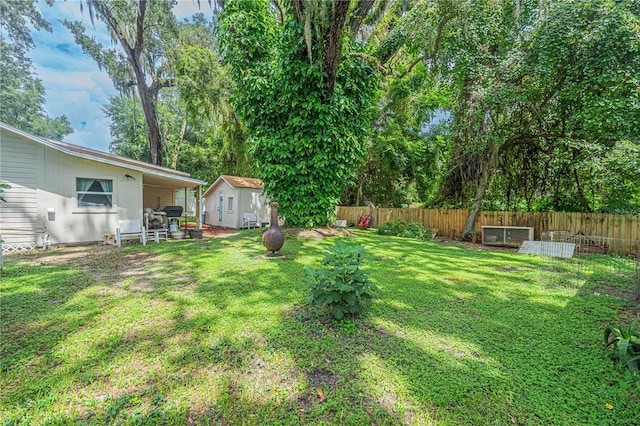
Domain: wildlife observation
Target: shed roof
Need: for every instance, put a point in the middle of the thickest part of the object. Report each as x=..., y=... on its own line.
x=156, y=174
x=236, y=182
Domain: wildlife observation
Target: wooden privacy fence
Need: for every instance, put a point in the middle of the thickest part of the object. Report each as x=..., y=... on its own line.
x=625, y=228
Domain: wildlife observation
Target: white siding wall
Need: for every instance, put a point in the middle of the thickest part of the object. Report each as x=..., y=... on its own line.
x=19, y=220
x=157, y=198
x=68, y=223
x=43, y=194
x=229, y=218
x=253, y=201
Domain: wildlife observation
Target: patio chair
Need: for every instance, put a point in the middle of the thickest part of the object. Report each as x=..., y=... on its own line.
x=249, y=219
x=130, y=229
x=156, y=229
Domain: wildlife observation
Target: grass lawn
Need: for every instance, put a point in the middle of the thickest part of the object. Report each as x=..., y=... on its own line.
x=208, y=332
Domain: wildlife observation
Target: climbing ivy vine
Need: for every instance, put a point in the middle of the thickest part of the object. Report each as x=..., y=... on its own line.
x=308, y=125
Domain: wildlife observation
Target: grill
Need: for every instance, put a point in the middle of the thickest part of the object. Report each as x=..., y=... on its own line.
x=173, y=211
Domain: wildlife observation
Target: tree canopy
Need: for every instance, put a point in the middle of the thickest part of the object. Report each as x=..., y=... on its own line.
x=528, y=105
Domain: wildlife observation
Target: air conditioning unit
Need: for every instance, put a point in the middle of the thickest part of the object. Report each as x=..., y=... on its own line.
x=511, y=236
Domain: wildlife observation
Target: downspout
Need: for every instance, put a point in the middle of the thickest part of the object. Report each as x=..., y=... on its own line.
x=186, y=214
x=199, y=206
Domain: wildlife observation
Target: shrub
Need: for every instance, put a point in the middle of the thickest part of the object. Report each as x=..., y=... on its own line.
x=343, y=286
x=626, y=345
x=406, y=230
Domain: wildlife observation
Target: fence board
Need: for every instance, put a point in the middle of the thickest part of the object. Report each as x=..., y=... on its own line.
x=621, y=227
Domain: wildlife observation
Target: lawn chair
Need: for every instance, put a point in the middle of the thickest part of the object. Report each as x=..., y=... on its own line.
x=130, y=229
x=156, y=229
x=363, y=223
x=249, y=219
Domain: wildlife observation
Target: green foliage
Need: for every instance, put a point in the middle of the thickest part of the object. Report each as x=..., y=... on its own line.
x=625, y=341
x=449, y=335
x=406, y=230
x=403, y=160
x=3, y=186
x=343, y=286
x=22, y=97
x=306, y=141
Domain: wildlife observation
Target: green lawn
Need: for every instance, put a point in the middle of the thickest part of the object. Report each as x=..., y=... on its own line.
x=208, y=332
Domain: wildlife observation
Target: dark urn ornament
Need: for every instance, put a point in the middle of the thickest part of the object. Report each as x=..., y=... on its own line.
x=273, y=239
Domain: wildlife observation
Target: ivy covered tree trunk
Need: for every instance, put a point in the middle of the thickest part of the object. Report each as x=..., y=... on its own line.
x=306, y=106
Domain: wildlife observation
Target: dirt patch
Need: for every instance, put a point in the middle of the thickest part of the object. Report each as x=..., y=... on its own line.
x=320, y=377
x=68, y=255
x=318, y=233
x=612, y=291
x=509, y=268
x=629, y=313
x=209, y=231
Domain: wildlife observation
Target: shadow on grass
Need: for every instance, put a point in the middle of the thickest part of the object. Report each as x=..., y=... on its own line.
x=207, y=331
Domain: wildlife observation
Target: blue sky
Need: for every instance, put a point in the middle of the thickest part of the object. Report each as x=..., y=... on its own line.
x=74, y=84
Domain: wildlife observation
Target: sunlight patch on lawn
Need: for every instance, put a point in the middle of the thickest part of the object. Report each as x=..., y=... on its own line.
x=389, y=388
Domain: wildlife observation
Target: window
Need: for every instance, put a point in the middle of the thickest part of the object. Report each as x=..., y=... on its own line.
x=230, y=203
x=94, y=193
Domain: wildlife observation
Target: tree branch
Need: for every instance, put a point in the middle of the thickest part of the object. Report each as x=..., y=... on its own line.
x=278, y=6
x=140, y=27
x=436, y=49
x=361, y=11
x=298, y=10
x=374, y=63
x=333, y=39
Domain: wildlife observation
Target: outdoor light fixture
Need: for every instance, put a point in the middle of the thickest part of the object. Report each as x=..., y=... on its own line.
x=129, y=177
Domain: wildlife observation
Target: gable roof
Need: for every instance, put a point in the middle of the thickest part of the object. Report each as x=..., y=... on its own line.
x=236, y=182
x=102, y=157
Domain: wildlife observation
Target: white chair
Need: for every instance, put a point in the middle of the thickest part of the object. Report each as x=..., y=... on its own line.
x=130, y=229
x=249, y=219
x=155, y=234
x=158, y=234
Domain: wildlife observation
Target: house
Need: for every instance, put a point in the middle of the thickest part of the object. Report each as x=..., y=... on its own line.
x=231, y=197
x=63, y=193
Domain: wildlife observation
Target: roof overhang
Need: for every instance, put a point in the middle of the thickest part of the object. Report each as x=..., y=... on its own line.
x=152, y=175
x=234, y=182
x=213, y=186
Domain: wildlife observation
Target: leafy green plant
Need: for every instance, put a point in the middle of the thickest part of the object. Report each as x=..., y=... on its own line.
x=406, y=230
x=626, y=345
x=308, y=122
x=3, y=186
x=344, y=286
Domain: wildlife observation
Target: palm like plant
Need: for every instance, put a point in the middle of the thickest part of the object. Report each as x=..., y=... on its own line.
x=627, y=343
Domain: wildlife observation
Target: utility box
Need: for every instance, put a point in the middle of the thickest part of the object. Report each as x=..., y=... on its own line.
x=509, y=236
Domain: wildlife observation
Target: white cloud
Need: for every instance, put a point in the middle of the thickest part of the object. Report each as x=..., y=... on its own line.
x=74, y=84
x=186, y=8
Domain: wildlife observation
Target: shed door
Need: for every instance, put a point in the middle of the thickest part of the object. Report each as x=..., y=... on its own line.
x=220, y=207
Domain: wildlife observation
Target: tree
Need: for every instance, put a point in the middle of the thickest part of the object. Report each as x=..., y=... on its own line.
x=23, y=96
x=307, y=81
x=145, y=31
x=403, y=159
x=532, y=87
x=200, y=132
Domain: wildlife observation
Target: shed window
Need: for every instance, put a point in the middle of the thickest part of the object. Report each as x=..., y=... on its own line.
x=94, y=193
x=230, y=203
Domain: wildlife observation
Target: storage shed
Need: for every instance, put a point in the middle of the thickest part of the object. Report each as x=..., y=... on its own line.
x=63, y=193
x=230, y=197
